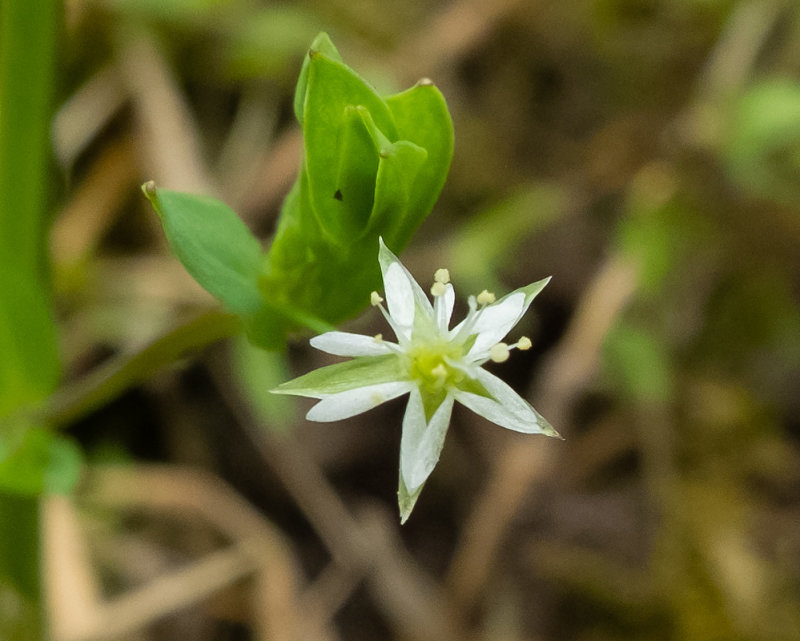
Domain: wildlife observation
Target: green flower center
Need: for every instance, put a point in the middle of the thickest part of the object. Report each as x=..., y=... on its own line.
x=428, y=365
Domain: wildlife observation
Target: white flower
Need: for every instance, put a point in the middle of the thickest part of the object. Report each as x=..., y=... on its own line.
x=432, y=363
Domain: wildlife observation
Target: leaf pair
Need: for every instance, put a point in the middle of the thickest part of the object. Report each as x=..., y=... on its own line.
x=372, y=167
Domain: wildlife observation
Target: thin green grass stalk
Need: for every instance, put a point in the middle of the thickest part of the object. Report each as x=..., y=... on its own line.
x=29, y=365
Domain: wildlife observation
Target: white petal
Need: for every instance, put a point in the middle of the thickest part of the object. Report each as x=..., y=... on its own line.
x=355, y=401
x=443, y=308
x=506, y=408
x=404, y=296
x=496, y=320
x=347, y=344
x=422, y=441
x=493, y=322
x=399, y=295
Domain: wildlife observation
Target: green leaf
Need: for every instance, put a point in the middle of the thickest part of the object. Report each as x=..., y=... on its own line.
x=396, y=184
x=421, y=117
x=347, y=211
x=341, y=377
x=332, y=91
x=371, y=167
x=321, y=44
x=214, y=245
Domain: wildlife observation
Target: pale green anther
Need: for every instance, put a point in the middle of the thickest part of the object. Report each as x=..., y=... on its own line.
x=441, y=275
x=499, y=353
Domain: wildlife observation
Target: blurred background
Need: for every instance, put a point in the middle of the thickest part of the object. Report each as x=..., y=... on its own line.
x=645, y=153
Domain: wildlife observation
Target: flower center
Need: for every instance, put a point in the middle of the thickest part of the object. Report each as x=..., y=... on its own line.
x=429, y=367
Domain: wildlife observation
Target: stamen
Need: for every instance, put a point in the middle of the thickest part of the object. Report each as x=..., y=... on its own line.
x=485, y=298
x=524, y=343
x=442, y=276
x=499, y=353
x=378, y=338
x=402, y=333
x=438, y=289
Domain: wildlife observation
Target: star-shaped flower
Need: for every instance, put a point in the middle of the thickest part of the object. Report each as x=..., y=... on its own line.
x=432, y=363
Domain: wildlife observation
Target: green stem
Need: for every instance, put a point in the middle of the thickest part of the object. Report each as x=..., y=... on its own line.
x=75, y=401
x=30, y=366
x=28, y=38
x=29, y=363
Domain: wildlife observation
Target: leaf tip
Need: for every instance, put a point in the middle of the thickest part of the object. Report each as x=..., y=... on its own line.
x=149, y=189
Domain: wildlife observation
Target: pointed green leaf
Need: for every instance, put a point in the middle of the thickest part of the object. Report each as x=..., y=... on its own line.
x=399, y=165
x=396, y=185
x=421, y=116
x=321, y=44
x=348, y=208
x=332, y=91
x=214, y=245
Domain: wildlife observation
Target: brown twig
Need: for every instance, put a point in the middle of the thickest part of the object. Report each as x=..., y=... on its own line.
x=258, y=549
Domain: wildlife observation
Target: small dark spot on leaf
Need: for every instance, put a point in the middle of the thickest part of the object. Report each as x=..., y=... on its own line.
x=338, y=194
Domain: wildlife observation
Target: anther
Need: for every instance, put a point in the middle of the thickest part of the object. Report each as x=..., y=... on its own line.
x=499, y=353
x=524, y=343
x=438, y=288
x=485, y=298
x=375, y=299
x=442, y=275
x=378, y=338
